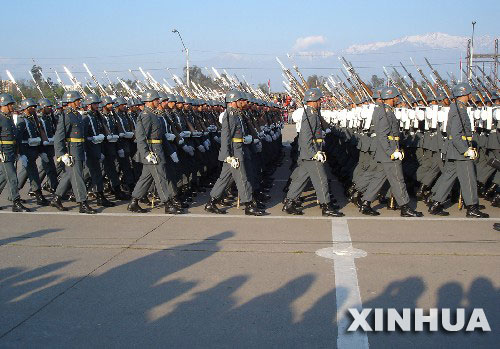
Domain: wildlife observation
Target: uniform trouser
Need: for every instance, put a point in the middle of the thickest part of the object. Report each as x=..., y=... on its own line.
x=367, y=175
x=433, y=169
x=424, y=161
x=314, y=170
x=73, y=177
x=8, y=177
x=361, y=167
x=126, y=169
x=239, y=175
x=30, y=172
x=485, y=171
x=152, y=174
x=95, y=170
x=109, y=165
x=464, y=170
x=48, y=169
x=393, y=172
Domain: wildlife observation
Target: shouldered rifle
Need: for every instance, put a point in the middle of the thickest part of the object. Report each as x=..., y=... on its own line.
x=111, y=87
x=474, y=86
x=429, y=85
x=60, y=81
x=76, y=83
x=296, y=68
x=399, y=88
x=404, y=83
x=11, y=77
x=140, y=86
x=36, y=84
x=415, y=83
x=492, y=83
x=480, y=82
x=439, y=80
x=101, y=89
x=353, y=73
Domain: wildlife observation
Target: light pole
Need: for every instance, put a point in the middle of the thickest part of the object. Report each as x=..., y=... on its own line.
x=471, y=50
x=187, y=56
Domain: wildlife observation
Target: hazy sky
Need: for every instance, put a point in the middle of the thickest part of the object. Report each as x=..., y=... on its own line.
x=241, y=36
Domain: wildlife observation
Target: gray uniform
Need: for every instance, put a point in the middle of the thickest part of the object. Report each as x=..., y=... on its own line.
x=69, y=139
x=310, y=141
x=8, y=147
x=149, y=134
x=233, y=131
x=93, y=127
x=27, y=128
x=456, y=164
x=387, y=141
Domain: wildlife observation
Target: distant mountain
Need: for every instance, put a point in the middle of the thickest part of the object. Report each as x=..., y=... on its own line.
x=430, y=40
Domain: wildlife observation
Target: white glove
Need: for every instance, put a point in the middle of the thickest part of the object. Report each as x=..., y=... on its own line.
x=51, y=141
x=397, y=155
x=109, y=138
x=234, y=162
x=151, y=157
x=129, y=134
x=102, y=157
x=327, y=131
x=174, y=157
x=320, y=156
x=207, y=144
x=121, y=153
x=188, y=149
x=274, y=136
x=217, y=139
x=201, y=148
x=44, y=157
x=258, y=145
x=268, y=139
x=247, y=139
x=33, y=142
x=24, y=160
x=205, y=133
x=261, y=135
x=121, y=135
x=169, y=136
x=181, y=141
x=471, y=153
x=67, y=160
x=185, y=134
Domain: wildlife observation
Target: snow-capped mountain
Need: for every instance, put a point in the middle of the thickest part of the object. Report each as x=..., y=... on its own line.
x=431, y=40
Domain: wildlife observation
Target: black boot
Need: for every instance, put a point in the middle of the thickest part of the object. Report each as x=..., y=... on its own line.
x=258, y=204
x=437, y=209
x=211, y=207
x=18, y=206
x=119, y=194
x=85, y=208
x=367, y=209
x=328, y=210
x=40, y=199
x=490, y=192
x=290, y=207
x=102, y=201
x=252, y=210
x=480, y=189
x=133, y=206
x=171, y=209
x=57, y=203
x=31, y=194
x=496, y=201
x=422, y=190
x=178, y=203
x=473, y=212
x=407, y=211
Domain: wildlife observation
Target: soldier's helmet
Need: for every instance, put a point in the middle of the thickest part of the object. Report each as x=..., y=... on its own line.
x=495, y=96
x=233, y=96
x=91, y=98
x=28, y=102
x=71, y=96
x=120, y=101
x=461, y=89
x=430, y=95
x=6, y=99
x=170, y=97
x=313, y=94
x=389, y=92
x=149, y=96
x=106, y=100
x=163, y=96
x=45, y=102
x=440, y=95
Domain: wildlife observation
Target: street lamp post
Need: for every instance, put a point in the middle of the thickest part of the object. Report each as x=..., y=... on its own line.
x=187, y=56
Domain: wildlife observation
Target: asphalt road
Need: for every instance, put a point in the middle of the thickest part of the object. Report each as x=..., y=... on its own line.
x=199, y=280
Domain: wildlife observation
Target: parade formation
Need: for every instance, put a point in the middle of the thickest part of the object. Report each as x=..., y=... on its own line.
x=156, y=145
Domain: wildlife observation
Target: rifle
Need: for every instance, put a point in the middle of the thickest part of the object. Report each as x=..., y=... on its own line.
x=440, y=81
x=414, y=82
x=492, y=83
x=399, y=88
x=403, y=83
x=352, y=72
x=102, y=91
x=15, y=83
x=488, y=94
x=75, y=82
x=138, y=83
x=474, y=86
x=306, y=86
x=60, y=81
x=291, y=78
x=111, y=87
x=425, y=79
x=36, y=84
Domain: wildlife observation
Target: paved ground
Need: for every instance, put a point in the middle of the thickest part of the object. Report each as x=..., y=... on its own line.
x=198, y=280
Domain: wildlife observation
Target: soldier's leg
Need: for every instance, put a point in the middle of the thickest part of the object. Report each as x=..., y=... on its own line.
x=32, y=171
x=376, y=182
x=394, y=174
x=240, y=176
x=445, y=182
x=8, y=177
x=126, y=169
x=22, y=176
x=95, y=170
x=49, y=169
x=160, y=180
x=468, y=183
x=319, y=179
x=299, y=179
x=109, y=165
x=222, y=182
x=484, y=171
x=143, y=183
x=77, y=182
x=65, y=182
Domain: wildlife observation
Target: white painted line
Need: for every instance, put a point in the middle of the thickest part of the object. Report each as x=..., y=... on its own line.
x=208, y=215
x=346, y=287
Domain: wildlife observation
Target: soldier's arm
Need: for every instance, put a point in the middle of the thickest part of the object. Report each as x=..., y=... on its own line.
x=141, y=137
x=60, y=146
x=457, y=131
x=382, y=129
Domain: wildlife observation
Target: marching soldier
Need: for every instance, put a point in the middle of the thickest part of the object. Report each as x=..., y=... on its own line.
x=388, y=157
x=69, y=144
x=49, y=124
x=149, y=135
x=234, y=153
x=9, y=141
x=311, y=159
x=460, y=156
